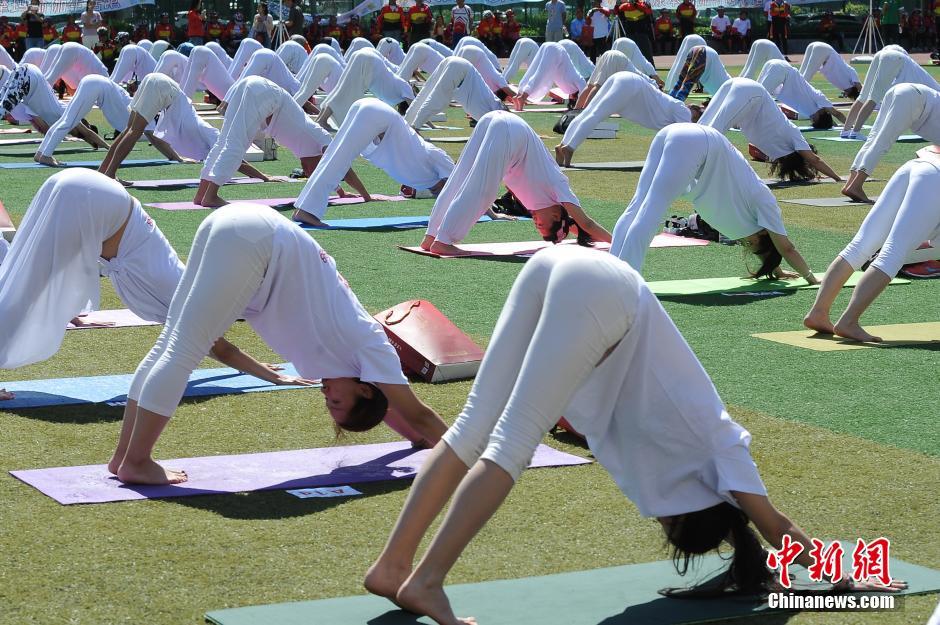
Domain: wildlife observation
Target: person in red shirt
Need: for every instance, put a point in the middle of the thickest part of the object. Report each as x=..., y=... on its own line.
x=71, y=31
x=22, y=30
x=665, y=33
x=828, y=31
x=195, y=23
x=780, y=25
x=140, y=33
x=392, y=20
x=163, y=31
x=636, y=20
x=512, y=29
x=235, y=31
x=333, y=30
x=353, y=29
x=7, y=36
x=419, y=22
x=484, y=30
x=497, y=35
x=214, y=28
x=686, y=13
x=106, y=48
x=449, y=34
x=49, y=32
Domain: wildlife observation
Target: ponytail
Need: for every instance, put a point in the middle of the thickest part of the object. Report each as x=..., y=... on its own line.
x=562, y=226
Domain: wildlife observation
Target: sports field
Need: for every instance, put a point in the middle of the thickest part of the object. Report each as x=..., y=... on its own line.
x=848, y=443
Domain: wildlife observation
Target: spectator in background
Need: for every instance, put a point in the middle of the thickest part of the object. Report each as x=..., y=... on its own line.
x=392, y=21
x=918, y=28
x=891, y=21
x=33, y=18
x=195, y=24
x=496, y=32
x=49, y=32
x=555, y=11
x=686, y=13
x=780, y=25
x=335, y=31
x=214, y=28
x=485, y=27
x=636, y=19
x=419, y=22
x=71, y=32
x=741, y=33
x=91, y=21
x=576, y=25
x=106, y=48
x=295, y=19
x=767, y=16
x=235, y=31
x=21, y=32
x=262, y=26
x=437, y=33
x=461, y=21
x=164, y=30
x=665, y=33
x=721, y=30
x=7, y=36
x=598, y=18
x=828, y=31
x=353, y=29
x=141, y=32
x=512, y=30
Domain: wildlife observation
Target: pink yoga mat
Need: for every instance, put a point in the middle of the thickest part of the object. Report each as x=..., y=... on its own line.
x=121, y=318
x=279, y=201
x=278, y=470
x=16, y=131
x=194, y=182
x=528, y=248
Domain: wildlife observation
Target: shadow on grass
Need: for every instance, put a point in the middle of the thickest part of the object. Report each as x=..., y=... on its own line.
x=269, y=505
x=84, y=414
x=731, y=298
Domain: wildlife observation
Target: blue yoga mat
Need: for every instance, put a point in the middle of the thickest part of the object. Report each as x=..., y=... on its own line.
x=143, y=162
x=378, y=223
x=113, y=388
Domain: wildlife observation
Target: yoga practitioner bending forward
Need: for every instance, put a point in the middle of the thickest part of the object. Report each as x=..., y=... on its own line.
x=249, y=262
x=906, y=214
x=678, y=456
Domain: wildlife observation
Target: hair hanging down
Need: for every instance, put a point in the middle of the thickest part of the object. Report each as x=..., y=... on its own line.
x=793, y=167
x=696, y=533
x=562, y=227
x=852, y=92
x=823, y=121
x=770, y=258
x=367, y=412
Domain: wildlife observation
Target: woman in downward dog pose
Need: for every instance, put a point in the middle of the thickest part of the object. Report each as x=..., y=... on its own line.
x=551, y=66
x=702, y=66
x=698, y=161
x=784, y=82
x=455, y=79
x=367, y=70
x=689, y=42
x=743, y=103
x=609, y=63
x=761, y=51
x=628, y=47
x=250, y=262
x=523, y=53
x=821, y=57
x=680, y=459
x=906, y=214
x=504, y=148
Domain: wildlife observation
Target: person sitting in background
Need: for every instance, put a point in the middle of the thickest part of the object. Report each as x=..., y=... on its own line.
x=353, y=29
x=496, y=36
x=828, y=31
x=141, y=32
x=334, y=30
x=437, y=33
x=741, y=33
x=665, y=33
x=721, y=30
x=262, y=26
x=686, y=13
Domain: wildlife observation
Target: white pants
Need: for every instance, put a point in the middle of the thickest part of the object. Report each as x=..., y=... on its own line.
x=324, y=72
x=819, y=55
x=73, y=62
x=391, y=50
x=6, y=60
x=172, y=64
x=900, y=220
x=522, y=55
x=91, y=92
x=247, y=47
x=27, y=87
x=671, y=165
x=494, y=80
x=903, y=106
x=551, y=66
x=133, y=61
x=293, y=54
x=443, y=50
x=220, y=53
x=610, y=63
x=146, y=44
x=885, y=69
x=366, y=71
x=578, y=58
x=400, y=153
x=158, y=48
x=420, y=57
x=224, y=270
x=267, y=64
x=762, y=50
x=322, y=48
x=633, y=52
x=33, y=56
x=49, y=59
x=689, y=42
x=205, y=71
x=90, y=41
x=473, y=42
x=454, y=79
x=567, y=308
x=357, y=44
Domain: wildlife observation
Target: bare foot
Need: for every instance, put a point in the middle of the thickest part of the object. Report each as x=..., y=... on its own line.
x=429, y=600
x=852, y=330
x=149, y=472
x=115, y=462
x=211, y=202
x=856, y=194
x=306, y=218
x=819, y=321
x=47, y=160
x=5, y=394
x=446, y=249
x=384, y=580
x=427, y=243
x=563, y=155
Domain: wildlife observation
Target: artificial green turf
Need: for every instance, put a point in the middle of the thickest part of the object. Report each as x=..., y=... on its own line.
x=847, y=442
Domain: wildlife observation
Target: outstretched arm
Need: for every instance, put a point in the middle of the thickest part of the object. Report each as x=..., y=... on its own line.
x=163, y=147
x=793, y=257
x=585, y=223
x=252, y=172
x=353, y=180
x=411, y=417
x=836, y=113
x=813, y=160
x=228, y=354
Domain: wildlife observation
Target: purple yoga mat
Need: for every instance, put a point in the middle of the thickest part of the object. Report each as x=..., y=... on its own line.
x=172, y=183
x=121, y=318
x=278, y=201
x=277, y=470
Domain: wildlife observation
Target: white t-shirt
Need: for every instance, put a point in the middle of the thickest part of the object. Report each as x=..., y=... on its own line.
x=533, y=176
x=742, y=27
x=90, y=23
x=653, y=418
x=306, y=312
x=785, y=83
x=767, y=4
x=405, y=156
x=157, y=92
x=600, y=23
x=721, y=24
x=462, y=14
x=743, y=103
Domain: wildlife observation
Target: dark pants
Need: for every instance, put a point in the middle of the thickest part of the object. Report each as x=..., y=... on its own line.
x=666, y=44
x=835, y=39
x=686, y=27
x=644, y=41
x=599, y=47
x=891, y=33
x=779, y=28
x=393, y=33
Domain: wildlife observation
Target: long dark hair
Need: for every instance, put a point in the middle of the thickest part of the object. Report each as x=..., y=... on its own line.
x=769, y=256
x=852, y=92
x=367, y=412
x=563, y=224
x=823, y=121
x=793, y=167
x=696, y=533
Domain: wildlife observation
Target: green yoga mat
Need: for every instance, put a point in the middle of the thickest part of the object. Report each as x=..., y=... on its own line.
x=706, y=286
x=623, y=595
